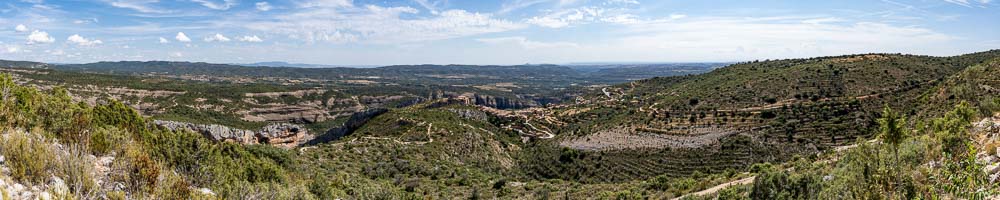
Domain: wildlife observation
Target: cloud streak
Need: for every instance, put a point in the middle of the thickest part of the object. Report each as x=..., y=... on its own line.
x=381, y=25
x=217, y=38
x=525, y=43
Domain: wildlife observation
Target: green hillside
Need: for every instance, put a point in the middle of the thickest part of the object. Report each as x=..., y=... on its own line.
x=873, y=126
x=746, y=113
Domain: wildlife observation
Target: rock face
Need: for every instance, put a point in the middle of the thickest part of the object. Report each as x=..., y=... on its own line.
x=471, y=114
x=357, y=120
x=484, y=100
x=295, y=113
x=499, y=102
x=281, y=134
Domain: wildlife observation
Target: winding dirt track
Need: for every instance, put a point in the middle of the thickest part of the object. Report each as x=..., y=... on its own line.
x=749, y=180
x=713, y=190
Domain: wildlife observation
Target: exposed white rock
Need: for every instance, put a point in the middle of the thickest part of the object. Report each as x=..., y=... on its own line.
x=205, y=191
x=279, y=134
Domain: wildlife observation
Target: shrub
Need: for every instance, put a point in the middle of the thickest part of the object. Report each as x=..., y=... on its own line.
x=78, y=173
x=661, y=183
x=951, y=129
x=136, y=169
x=173, y=187
x=733, y=193
x=624, y=195
x=775, y=183
x=104, y=140
x=28, y=156
x=114, y=113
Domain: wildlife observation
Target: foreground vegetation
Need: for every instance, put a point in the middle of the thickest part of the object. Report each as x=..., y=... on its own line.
x=914, y=135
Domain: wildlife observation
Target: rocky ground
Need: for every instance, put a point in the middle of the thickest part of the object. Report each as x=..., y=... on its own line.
x=11, y=189
x=987, y=138
x=95, y=169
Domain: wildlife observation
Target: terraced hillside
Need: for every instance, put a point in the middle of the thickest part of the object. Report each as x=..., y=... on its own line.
x=978, y=85
x=744, y=113
x=658, y=138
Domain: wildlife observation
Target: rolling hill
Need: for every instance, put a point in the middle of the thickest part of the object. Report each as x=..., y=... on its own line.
x=817, y=124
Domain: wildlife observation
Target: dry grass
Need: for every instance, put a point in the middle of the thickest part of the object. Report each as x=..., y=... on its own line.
x=78, y=172
x=991, y=148
x=29, y=156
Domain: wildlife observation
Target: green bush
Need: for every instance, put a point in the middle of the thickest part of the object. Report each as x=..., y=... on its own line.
x=137, y=170
x=104, y=140
x=661, y=183
x=29, y=156
x=114, y=113
x=774, y=183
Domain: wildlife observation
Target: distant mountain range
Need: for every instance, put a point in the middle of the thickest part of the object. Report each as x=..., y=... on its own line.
x=300, y=65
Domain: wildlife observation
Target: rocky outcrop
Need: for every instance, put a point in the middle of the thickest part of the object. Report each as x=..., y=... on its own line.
x=499, y=102
x=484, y=100
x=214, y=132
x=281, y=134
x=357, y=120
x=292, y=113
x=470, y=114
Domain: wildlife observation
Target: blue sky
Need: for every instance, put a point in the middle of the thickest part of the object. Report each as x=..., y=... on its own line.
x=363, y=32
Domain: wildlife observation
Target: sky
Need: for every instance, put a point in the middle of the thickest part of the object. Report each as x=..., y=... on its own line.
x=504, y=32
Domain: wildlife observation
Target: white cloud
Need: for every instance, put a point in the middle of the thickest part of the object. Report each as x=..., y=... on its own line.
x=959, y=2
x=182, y=37
x=217, y=38
x=263, y=6
x=700, y=39
x=549, y=22
x=164, y=40
x=430, y=6
x=80, y=40
x=224, y=5
x=822, y=20
x=627, y=2
x=12, y=49
x=57, y=52
x=753, y=38
x=247, y=38
x=38, y=37
x=325, y=3
x=525, y=43
x=137, y=5
x=968, y=3
x=587, y=15
x=21, y=28
x=568, y=17
x=376, y=24
x=176, y=54
x=567, y=2
x=85, y=21
x=621, y=19
x=518, y=4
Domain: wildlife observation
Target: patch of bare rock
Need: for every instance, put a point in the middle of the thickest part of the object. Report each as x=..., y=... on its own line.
x=278, y=134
